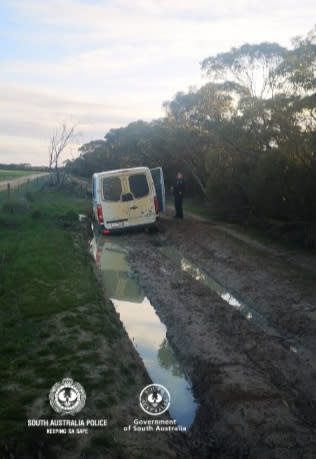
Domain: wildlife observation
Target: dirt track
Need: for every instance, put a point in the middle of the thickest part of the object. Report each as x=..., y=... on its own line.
x=14, y=183
x=257, y=397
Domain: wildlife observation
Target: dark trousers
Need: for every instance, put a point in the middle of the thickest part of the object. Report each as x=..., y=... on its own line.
x=178, y=205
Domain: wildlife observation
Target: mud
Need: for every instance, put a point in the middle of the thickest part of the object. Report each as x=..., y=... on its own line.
x=257, y=398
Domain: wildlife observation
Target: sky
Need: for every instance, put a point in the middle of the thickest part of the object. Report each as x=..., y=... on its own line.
x=101, y=64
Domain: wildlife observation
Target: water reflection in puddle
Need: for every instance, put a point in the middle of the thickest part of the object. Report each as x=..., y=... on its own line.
x=143, y=326
x=200, y=275
x=248, y=312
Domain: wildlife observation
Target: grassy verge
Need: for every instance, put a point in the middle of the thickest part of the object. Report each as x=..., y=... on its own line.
x=277, y=233
x=55, y=322
x=23, y=191
x=192, y=207
x=198, y=210
x=12, y=174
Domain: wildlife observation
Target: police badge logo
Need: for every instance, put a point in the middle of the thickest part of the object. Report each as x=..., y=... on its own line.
x=67, y=397
x=154, y=399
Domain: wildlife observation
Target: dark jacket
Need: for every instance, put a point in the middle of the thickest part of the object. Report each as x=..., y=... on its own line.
x=179, y=188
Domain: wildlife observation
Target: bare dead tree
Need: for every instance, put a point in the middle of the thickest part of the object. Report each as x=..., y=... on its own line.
x=58, y=142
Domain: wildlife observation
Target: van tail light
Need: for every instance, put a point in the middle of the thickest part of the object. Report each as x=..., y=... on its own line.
x=156, y=205
x=106, y=231
x=100, y=214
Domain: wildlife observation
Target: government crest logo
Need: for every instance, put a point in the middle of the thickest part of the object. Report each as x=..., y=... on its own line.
x=67, y=397
x=154, y=399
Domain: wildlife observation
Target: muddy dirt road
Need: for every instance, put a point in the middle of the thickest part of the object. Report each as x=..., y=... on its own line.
x=255, y=380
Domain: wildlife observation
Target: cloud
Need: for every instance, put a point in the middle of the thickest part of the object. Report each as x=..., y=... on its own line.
x=16, y=149
x=103, y=13
x=29, y=116
x=105, y=63
x=165, y=21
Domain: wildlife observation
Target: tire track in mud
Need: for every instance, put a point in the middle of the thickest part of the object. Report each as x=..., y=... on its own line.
x=256, y=399
x=284, y=294
x=293, y=257
x=287, y=339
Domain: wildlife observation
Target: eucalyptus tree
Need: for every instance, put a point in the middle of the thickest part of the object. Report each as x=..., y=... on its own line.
x=251, y=66
x=193, y=119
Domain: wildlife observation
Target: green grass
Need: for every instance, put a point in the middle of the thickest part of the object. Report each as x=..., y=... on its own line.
x=198, y=210
x=45, y=271
x=24, y=193
x=12, y=174
x=189, y=205
x=270, y=231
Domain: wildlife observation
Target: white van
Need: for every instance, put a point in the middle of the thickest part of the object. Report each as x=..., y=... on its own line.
x=110, y=257
x=127, y=198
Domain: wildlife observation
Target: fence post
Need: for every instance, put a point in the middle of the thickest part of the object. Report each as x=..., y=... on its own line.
x=8, y=190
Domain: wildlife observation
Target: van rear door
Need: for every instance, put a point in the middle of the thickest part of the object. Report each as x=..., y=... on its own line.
x=115, y=210
x=159, y=183
x=128, y=198
x=142, y=192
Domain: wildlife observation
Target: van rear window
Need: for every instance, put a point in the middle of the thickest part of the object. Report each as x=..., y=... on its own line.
x=112, y=188
x=138, y=185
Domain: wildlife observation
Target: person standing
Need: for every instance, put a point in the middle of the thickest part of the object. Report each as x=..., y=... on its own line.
x=178, y=192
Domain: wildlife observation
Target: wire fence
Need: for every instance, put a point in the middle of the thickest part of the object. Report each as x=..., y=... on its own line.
x=18, y=191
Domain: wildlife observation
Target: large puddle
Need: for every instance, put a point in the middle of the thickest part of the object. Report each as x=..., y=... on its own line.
x=244, y=309
x=143, y=326
x=198, y=274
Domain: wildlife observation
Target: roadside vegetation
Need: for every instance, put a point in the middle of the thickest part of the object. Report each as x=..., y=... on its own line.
x=245, y=141
x=55, y=322
x=272, y=232
x=13, y=174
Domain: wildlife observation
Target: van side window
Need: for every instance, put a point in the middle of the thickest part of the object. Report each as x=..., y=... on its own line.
x=138, y=185
x=112, y=188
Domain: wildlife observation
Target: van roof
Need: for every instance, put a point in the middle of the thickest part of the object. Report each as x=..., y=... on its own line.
x=121, y=171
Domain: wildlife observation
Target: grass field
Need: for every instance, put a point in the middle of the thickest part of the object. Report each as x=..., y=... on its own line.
x=54, y=322
x=10, y=175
